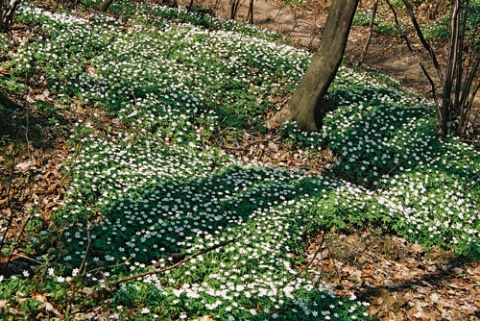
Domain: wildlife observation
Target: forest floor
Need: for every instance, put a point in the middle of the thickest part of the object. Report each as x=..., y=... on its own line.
x=386, y=54
x=401, y=281
x=303, y=25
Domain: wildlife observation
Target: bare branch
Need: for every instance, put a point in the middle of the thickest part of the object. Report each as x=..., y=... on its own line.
x=424, y=42
x=370, y=32
x=87, y=250
x=433, y=88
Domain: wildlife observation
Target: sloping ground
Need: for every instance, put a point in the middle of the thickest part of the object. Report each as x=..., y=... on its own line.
x=153, y=105
x=400, y=280
x=302, y=25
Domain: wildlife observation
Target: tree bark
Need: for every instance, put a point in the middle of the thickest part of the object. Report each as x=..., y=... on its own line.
x=250, y=12
x=453, y=64
x=7, y=9
x=306, y=106
x=235, y=5
x=106, y=4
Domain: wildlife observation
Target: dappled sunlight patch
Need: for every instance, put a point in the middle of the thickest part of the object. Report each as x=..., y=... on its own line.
x=149, y=216
x=233, y=75
x=417, y=185
x=147, y=191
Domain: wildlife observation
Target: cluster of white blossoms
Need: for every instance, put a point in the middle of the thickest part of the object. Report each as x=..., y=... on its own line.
x=143, y=196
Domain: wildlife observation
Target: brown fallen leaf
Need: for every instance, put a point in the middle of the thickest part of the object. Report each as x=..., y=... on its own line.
x=273, y=146
x=434, y=298
x=378, y=301
x=421, y=290
x=23, y=166
x=373, y=310
x=468, y=309
x=49, y=308
x=7, y=212
x=422, y=316
x=3, y=304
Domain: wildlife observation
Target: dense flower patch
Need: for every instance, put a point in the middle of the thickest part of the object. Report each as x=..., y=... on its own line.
x=145, y=197
x=425, y=189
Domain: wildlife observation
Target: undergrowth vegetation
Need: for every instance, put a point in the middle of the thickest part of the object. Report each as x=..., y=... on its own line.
x=437, y=28
x=147, y=191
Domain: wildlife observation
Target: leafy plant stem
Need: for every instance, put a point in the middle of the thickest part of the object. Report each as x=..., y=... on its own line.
x=87, y=250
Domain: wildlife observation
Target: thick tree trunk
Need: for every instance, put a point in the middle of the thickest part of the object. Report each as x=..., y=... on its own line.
x=306, y=106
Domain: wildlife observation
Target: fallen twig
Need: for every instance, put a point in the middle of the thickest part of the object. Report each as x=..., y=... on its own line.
x=244, y=149
x=26, y=258
x=111, y=286
x=319, y=248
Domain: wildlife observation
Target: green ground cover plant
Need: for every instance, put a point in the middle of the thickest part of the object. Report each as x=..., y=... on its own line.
x=387, y=143
x=144, y=197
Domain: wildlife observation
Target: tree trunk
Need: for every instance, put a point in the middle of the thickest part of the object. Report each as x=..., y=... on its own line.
x=7, y=9
x=250, y=12
x=190, y=6
x=306, y=106
x=235, y=5
x=453, y=64
x=106, y=4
